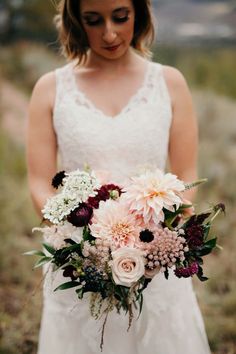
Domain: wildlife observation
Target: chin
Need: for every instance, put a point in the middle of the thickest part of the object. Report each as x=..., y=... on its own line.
x=112, y=55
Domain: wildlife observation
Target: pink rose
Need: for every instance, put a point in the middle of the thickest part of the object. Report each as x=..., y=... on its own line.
x=128, y=266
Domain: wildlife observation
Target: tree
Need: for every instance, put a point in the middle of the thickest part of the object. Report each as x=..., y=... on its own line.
x=28, y=20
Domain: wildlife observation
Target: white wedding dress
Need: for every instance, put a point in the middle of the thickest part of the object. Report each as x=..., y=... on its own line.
x=171, y=322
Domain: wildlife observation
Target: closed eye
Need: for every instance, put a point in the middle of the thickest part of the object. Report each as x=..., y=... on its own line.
x=95, y=20
x=121, y=19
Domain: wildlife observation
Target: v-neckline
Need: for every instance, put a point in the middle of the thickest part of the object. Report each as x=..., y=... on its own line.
x=88, y=102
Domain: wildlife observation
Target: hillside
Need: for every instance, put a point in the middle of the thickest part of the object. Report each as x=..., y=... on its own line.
x=191, y=22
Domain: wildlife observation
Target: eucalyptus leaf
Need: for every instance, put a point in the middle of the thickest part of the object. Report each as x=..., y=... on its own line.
x=68, y=285
x=34, y=253
x=49, y=248
x=42, y=261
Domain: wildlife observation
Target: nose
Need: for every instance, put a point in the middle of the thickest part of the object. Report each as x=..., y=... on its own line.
x=109, y=34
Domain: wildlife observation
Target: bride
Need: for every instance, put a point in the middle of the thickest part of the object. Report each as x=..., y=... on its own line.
x=112, y=108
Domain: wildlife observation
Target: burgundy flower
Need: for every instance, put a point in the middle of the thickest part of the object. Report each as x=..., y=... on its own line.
x=146, y=236
x=194, y=235
x=57, y=179
x=220, y=206
x=186, y=272
x=69, y=271
x=103, y=194
x=81, y=215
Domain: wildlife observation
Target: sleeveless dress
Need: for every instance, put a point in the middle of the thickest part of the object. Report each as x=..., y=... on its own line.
x=137, y=137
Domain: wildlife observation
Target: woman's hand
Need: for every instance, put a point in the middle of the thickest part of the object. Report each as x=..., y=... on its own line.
x=188, y=211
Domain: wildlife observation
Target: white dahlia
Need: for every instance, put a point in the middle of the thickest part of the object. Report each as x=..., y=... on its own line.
x=152, y=191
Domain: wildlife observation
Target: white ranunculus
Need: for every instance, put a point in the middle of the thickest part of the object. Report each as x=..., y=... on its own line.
x=128, y=266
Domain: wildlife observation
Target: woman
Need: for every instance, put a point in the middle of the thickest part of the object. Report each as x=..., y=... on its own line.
x=113, y=109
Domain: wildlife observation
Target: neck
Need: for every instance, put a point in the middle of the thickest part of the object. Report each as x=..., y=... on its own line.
x=95, y=61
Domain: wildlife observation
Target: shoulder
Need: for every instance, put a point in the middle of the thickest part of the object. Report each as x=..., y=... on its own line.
x=176, y=83
x=44, y=91
x=174, y=78
x=46, y=84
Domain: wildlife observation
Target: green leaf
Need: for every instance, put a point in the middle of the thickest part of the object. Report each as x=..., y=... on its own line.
x=211, y=243
x=72, y=248
x=206, y=248
x=87, y=235
x=200, y=274
x=49, y=248
x=207, y=228
x=199, y=260
x=42, y=261
x=68, y=285
x=166, y=273
x=203, y=251
x=140, y=304
x=80, y=293
x=34, y=253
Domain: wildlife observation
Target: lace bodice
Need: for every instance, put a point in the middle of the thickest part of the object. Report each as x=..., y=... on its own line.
x=135, y=138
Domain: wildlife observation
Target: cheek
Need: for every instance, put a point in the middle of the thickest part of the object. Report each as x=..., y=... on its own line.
x=93, y=35
x=128, y=31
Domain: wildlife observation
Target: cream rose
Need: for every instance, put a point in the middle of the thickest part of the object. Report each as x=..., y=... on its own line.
x=127, y=266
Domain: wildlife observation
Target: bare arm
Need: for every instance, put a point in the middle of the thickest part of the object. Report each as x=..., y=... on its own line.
x=41, y=141
x=183, y=143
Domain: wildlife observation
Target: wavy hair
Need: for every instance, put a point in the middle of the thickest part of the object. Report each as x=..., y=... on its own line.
x=73, y=39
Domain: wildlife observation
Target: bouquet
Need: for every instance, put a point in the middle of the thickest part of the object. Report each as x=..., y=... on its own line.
x=111, y=240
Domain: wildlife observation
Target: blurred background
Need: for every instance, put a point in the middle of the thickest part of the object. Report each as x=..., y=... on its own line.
x=196, y=36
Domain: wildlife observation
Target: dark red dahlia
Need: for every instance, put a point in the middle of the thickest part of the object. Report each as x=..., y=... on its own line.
x=195, y=235
x=103, y=194
x=57, y=179
x=186, y=272
x=70, y=271
x=81, y=215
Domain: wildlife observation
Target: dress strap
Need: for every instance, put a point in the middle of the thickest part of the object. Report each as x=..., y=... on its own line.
x=157, y=85
x=64, y=83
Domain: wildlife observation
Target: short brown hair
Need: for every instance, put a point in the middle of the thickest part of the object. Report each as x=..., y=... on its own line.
x=74, y=40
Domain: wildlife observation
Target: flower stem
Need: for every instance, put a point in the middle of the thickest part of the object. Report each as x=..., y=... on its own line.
x=195, y=184
x=215, y=215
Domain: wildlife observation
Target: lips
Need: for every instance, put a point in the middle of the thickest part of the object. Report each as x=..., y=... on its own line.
x=112, y=48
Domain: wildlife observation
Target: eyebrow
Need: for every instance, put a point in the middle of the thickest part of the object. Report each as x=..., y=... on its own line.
x=114, y=11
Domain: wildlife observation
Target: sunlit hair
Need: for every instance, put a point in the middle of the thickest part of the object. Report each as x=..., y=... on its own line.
x=73, y=39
